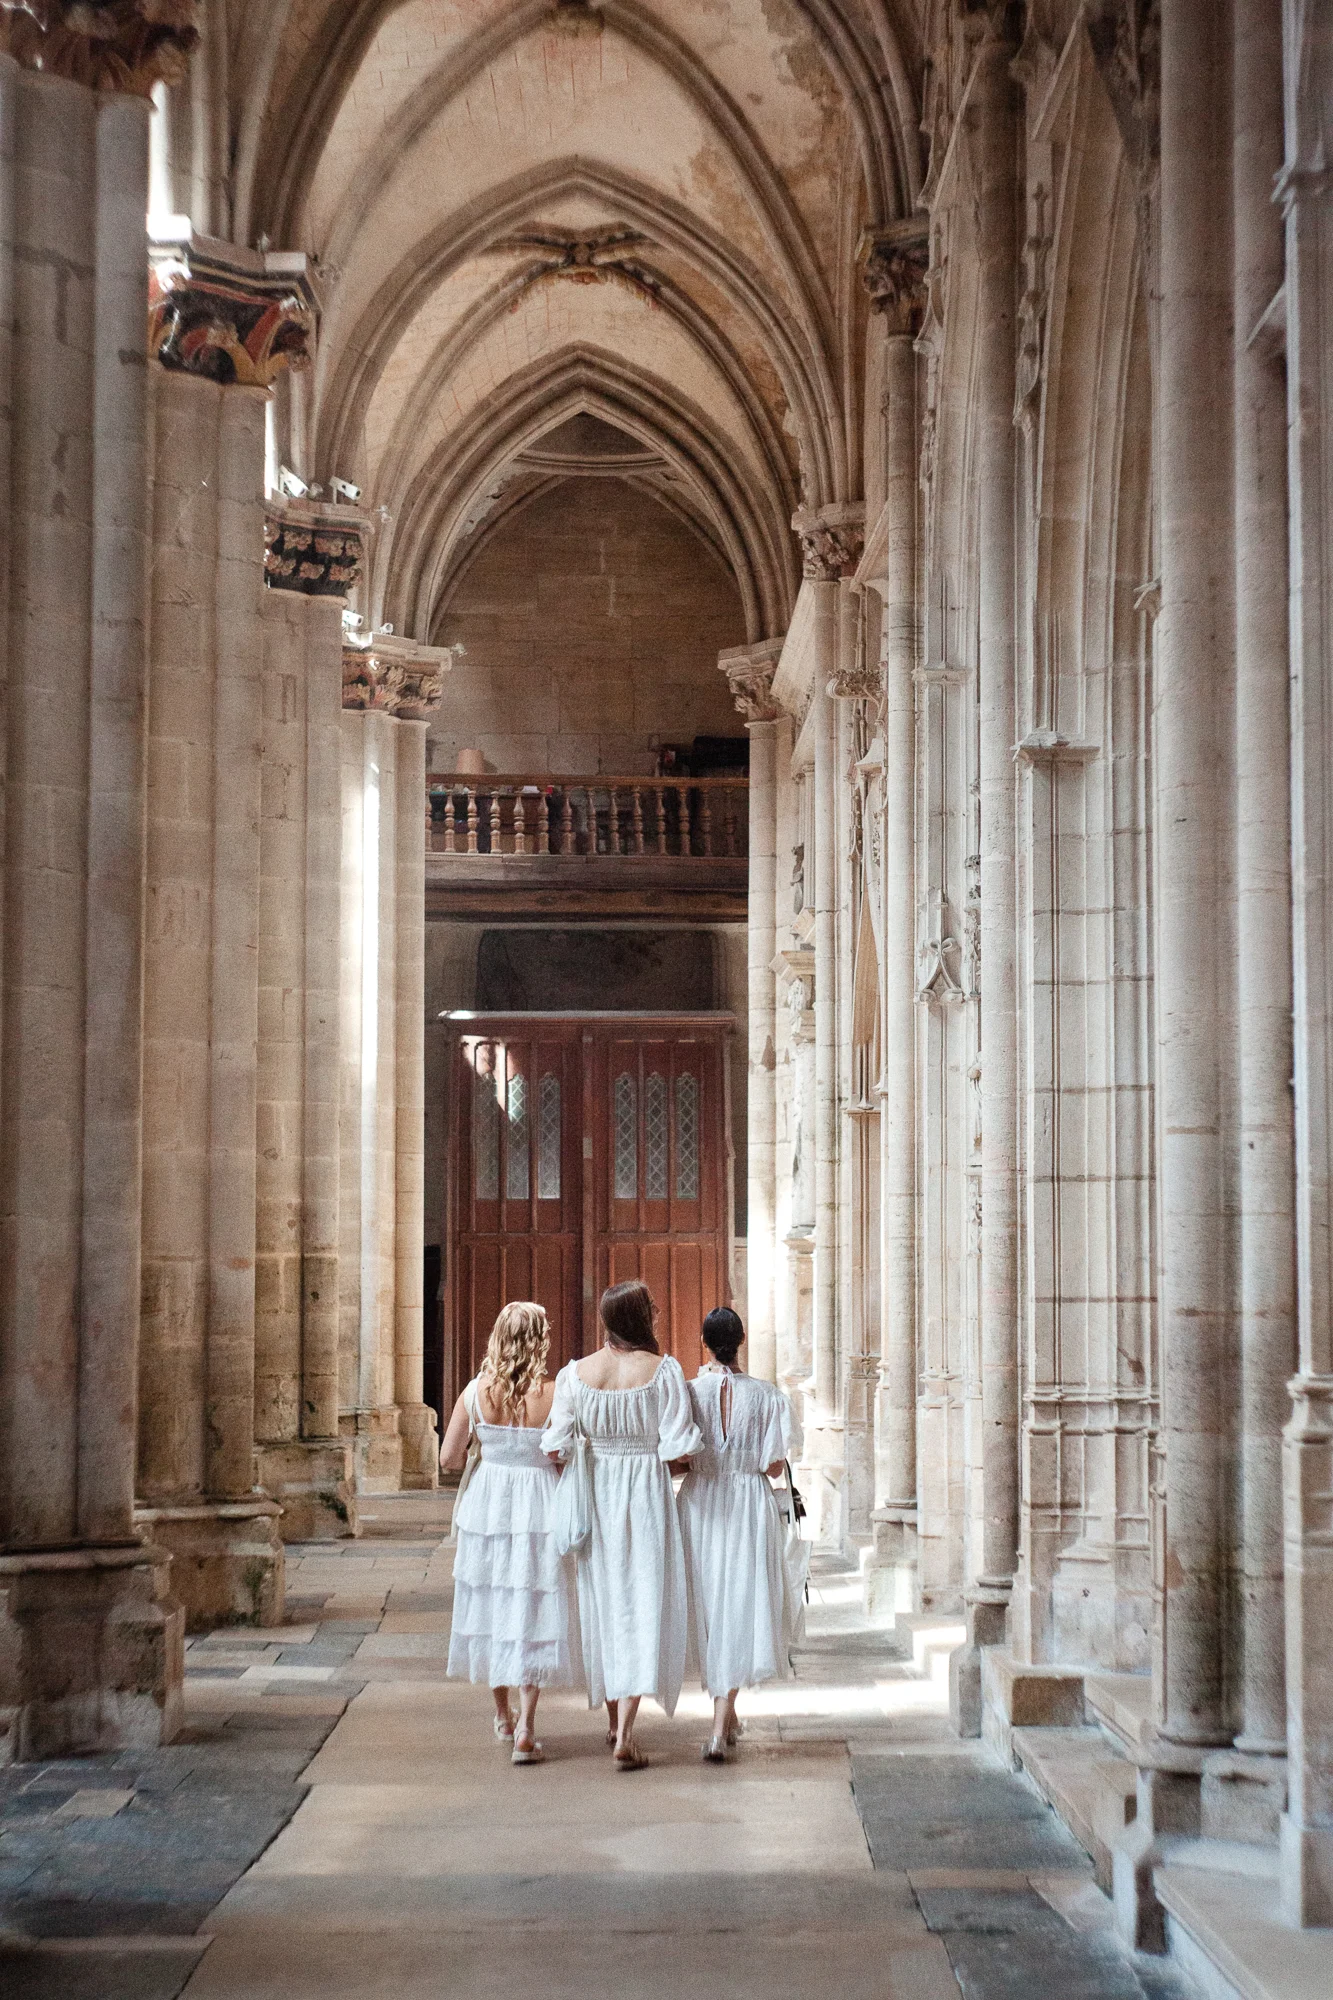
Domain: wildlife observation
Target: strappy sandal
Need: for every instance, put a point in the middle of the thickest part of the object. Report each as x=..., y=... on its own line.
x=537, y=1754
x=504, y=1731
x=715, y=1750
x=631, y=1758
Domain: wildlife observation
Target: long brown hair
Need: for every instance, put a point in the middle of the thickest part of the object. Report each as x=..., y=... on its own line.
x=516, y=1356
x=629, y=1314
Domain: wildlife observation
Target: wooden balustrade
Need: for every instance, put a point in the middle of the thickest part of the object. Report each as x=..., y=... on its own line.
x=507, y=813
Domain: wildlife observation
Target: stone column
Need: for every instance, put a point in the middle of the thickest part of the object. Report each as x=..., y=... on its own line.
x=1306, y=190
x=218, y=344
x=993, y=102
x=90, y=1642
x=894, y=270
x=749, y=672
x=1194, y=1021
x=1263, y=846
x=390, y=686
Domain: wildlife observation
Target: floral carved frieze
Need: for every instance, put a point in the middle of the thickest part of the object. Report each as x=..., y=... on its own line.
x=115, y=45
x=227, y=314
x=317, y=551
x=893, y=262
x=395, y=676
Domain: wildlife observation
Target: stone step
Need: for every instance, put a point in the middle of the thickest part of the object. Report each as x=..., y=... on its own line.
x=1122, y=1704
x=1088, y=1782
x=1225, y=1927
x=934, y=1635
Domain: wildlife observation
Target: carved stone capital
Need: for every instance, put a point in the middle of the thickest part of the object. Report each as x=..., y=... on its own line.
x=395, y=676
x=863, y=682
x=315, y=550
x=117, y=45
x=893, y=264
x=227, y=313
x=831, y=539
x=749, y=673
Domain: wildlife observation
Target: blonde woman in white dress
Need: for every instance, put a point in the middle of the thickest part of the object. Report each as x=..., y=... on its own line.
x=733, y=1531
x=633, y=1406
x=515, y=1621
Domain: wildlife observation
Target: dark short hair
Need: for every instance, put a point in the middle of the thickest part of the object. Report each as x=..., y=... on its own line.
x=628, y=1314
x=723, y=1333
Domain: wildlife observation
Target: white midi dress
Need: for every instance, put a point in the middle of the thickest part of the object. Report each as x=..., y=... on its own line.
x=631, y=1577
x=515, y=1620
x=734, y=1534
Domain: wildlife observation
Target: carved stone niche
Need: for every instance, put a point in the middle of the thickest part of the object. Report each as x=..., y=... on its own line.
x=227, y=313
x=116, y=45
x=314, y=549
x=395, y=676
x=893, y=262
x=831, y=539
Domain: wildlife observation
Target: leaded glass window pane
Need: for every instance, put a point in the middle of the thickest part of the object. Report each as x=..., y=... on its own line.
x=485, y=1131
x=687, y=1138
x=655, y=1140
x=516, y=1146
x=548, y=1138
x=626, y=1102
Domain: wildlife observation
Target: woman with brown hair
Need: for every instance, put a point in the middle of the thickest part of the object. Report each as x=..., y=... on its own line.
x=514, y=1623
x=631, y=1404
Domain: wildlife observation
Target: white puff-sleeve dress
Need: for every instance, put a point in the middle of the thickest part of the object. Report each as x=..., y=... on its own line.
x=515, y=1621
x=734, y=1533
x=631, y=1577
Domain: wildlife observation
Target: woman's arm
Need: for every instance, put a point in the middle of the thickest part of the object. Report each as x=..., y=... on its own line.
x=453, y=1445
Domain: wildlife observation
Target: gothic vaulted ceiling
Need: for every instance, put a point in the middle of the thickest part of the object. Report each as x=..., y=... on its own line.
x=530, y=211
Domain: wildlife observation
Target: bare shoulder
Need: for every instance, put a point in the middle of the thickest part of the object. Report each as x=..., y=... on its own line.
x=608, y=1370
x=538, y=1406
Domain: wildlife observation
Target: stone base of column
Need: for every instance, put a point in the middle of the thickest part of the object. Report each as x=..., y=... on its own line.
x=92, y=1652
x=1242, y=1796
x=1168, y=1810
x=377, y=1449
x=311, y=1480
x=890, y=1580
x=421, y=1447
x=1306, y=1855
x=987, y=1615
x=227, y=1560
x=822, y=1475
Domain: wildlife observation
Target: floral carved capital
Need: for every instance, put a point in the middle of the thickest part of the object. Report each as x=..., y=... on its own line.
x=317, y=551
x=116, y=45
x=831, y=541
x=227, y=314
x=893, y=263
x=395, y=676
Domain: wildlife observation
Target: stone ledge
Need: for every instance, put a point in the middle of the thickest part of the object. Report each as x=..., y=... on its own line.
x=1122, y=1704
x=1087, y=1781
x=1227, y=1931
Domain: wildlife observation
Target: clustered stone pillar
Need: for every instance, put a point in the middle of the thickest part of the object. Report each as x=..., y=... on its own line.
x=90, y=1641
x=749, y=672
x=1306, y=191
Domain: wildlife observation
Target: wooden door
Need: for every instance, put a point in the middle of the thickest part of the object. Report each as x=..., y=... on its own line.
x=515, y=1187
x=583, y=1150
x=660, y=1155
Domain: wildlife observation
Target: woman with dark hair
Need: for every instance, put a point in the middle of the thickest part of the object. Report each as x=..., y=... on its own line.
x=733, y=1531
x=632, y=1405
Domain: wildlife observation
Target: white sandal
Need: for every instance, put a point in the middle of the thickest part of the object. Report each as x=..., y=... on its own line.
x=537, y=1754
x=504, y=1731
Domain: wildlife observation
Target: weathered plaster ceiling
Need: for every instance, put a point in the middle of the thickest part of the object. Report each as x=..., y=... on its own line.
x=528, y=211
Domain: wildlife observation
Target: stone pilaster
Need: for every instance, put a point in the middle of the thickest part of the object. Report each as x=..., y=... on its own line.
x=90, y=1641
x=1306, y=191
x=749, y=673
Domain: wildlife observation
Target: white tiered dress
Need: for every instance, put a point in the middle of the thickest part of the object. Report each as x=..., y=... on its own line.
x=631, y=1578
x=734, y=1534
x=515, y=1621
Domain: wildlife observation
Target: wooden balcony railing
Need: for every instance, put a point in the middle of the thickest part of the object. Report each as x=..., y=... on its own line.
x=689, y=818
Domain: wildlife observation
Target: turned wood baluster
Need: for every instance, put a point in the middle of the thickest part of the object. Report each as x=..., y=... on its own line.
x=659, y=793
x=449, y=818
x=520, y=824
x=706, y=822
x=637, y=821
x=471, y=819
x=683, y=800
x=729, y=822
x=566, y=821
x=613, y=821
x=543, y=823
x=495, y=823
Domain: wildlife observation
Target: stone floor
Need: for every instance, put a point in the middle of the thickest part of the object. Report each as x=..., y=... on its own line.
x=339, y=1822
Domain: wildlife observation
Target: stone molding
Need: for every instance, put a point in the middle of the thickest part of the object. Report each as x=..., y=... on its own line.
x=1048, y=746
x=316, y=550
x=863, y=682
x=394, y=676
x=893, y=262
x=831, y=539
x=125, y=46
x=749, y=672
x=229, y=314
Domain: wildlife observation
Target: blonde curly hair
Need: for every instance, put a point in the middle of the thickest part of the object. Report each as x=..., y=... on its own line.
x=516, y=1355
